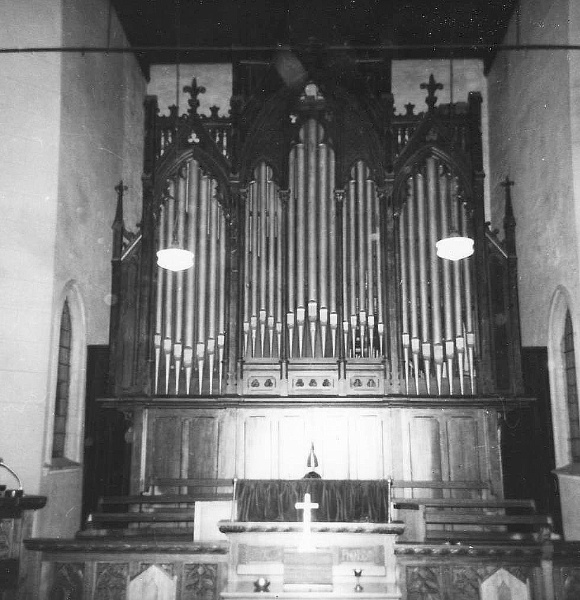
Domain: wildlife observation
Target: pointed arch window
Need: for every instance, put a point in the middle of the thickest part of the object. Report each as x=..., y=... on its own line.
x=571, y=387
x=61, y=405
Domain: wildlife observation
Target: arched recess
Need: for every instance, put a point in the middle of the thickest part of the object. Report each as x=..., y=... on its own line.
x=438, y=321
x=191, y=306
x=560, y=307
x=73, y=443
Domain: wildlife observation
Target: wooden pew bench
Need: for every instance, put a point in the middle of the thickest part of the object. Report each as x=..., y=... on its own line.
x=167, y=508
x=443, y=515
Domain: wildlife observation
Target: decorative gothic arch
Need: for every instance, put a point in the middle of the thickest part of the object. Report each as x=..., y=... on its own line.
x=561, y=305
x=73, y=442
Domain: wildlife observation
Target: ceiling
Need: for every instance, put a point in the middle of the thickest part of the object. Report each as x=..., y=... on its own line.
x=211, y=26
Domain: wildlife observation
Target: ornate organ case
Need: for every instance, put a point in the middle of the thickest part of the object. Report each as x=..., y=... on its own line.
x=312, y=212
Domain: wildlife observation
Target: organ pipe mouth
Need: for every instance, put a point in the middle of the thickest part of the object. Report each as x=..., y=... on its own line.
x=175, y=258
x=454, y=247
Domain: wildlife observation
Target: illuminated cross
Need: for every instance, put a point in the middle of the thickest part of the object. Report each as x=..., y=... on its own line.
x=307, y=507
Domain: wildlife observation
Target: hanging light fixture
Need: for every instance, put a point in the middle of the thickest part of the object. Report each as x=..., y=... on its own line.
x=454, y=246
x=174, y=257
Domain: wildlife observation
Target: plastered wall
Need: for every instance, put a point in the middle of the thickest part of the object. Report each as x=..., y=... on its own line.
x=534, y=110
x=72, y=129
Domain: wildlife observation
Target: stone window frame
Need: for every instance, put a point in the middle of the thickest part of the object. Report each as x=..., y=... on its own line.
x=561, y=306
x=73, y=445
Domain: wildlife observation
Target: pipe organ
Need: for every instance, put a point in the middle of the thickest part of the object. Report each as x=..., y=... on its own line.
x=437, y=324
x=190, y=306
x=315, y=268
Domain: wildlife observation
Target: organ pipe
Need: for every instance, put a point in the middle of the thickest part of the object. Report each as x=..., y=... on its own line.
x=370, y=239
x=222, y=303
x=413, y=281
x=406, y=338
x=434, y=272
x=350, y=242
x=179, y=276
x=169, y=275
x=379, y=275
x=212, y=285
x=159, y=299
x=254, y=276
x=447, y=283
x=362, y=267
x=323, y=230
x=192, y=208
x=261, y=256
x=291, y=233
x=301, y=245
x=274, y=274
x=332, y=233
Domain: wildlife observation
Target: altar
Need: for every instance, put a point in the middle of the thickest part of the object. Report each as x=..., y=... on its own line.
x=311, y=559
x=272, y=551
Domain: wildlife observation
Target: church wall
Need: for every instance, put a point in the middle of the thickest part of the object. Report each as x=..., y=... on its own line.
x=532, y=120
x=30, y=96
x=102, y=99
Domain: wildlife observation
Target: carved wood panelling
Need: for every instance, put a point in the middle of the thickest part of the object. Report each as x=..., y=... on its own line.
x=200, y=582
x=463, y=462
x=423, y=583
x=425, y=448
x=446, y=445
x=274, y=442
x=68, y=581
x=111, y=581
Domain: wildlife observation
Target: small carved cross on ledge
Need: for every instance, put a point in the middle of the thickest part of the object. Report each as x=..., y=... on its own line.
x=431, y=88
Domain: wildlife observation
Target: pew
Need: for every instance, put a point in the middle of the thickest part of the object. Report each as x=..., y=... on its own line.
x=165, y=509
x=433, y=511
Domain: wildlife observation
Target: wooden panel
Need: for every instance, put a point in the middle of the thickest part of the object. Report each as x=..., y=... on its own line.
x=369, y=448
x=331, y=442
x=463, y=447
x=165, y=460
x=293, y=447
x=203, y=447
x=257, y=447
x=425, y=448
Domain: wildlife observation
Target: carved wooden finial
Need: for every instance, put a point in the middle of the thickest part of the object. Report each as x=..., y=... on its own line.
x=120, y=188
x=509, y=209
x=432, y=86
x=194, y=91
x=509, y=221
